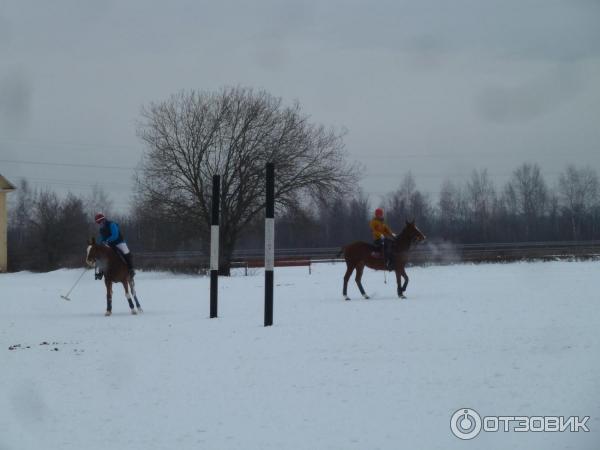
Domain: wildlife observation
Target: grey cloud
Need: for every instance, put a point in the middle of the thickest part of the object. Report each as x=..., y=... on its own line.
x=272, y=57
x=15, y=101
x=528, y=100
x=425, y=52
x=5, y=32
x=281, y=26
x=552, y=30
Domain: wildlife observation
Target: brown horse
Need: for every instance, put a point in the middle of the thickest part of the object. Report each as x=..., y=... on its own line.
x=361, y=254
x=115, y=270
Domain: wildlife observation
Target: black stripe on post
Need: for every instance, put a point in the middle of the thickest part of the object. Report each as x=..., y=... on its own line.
x=269, y=243
x=214, y=247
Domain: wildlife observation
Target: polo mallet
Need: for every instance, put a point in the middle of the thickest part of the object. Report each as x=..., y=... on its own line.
x=66, y=296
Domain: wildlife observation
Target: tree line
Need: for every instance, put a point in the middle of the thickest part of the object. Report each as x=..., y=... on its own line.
x=48, y=232
x=525, y=208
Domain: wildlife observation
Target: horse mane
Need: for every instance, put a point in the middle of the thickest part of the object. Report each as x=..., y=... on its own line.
x=104, y=250
x=403, y=240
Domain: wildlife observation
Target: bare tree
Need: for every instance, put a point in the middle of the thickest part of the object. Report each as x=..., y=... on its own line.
x=452, y=210
x=480, y=198
x=448, y=207
x=46, y=232
x=408, y=203
x=72, y=222
x=358, y=218
x=526, y=195
x=233, y=133
x=20, y=217
x=343, y=219
x=578, y=194
x=397, y=204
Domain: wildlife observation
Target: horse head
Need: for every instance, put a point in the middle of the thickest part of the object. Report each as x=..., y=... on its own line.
x=412, y=233
x=92, y=252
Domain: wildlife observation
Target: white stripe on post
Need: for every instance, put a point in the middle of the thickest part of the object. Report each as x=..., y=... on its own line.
x=269, y=243
x=214, y=247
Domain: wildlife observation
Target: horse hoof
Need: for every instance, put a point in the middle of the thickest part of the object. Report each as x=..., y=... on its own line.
x=134, y=312
x=107, y=313
x=140, y=310
x=402, y=296
x=366, y=297
x=346, y=298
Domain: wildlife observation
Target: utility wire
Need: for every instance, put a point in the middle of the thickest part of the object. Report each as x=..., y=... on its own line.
x=63, y=164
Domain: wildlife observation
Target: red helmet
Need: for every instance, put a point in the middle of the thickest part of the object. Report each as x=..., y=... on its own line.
x=379, y=213
x=99, y=218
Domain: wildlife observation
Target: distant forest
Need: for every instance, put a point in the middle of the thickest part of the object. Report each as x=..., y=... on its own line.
x=47, y=232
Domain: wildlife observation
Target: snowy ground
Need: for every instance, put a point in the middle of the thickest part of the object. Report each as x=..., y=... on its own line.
x=506, y=339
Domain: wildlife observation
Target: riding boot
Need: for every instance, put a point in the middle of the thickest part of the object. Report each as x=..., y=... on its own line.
x=129, y=262
x=389, y=264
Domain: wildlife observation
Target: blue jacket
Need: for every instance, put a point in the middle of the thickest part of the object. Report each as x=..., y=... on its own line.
x=110, y=233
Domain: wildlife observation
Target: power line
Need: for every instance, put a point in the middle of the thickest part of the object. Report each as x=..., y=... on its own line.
x=62, y=164
x=46, y=142
x=371, y=173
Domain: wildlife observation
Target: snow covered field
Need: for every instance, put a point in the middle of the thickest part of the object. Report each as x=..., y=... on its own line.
x=517, y=339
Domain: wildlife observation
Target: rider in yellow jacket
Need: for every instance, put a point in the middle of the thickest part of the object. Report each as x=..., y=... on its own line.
x=382, y=233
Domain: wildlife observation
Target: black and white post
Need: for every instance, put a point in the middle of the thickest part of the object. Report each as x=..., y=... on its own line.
x=214, y=247
x=269, y=243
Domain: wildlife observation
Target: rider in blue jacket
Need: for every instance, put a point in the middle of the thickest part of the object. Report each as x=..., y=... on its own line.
x=110, y=234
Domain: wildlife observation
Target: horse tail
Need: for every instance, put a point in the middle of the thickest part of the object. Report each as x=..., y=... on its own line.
x=340, y=252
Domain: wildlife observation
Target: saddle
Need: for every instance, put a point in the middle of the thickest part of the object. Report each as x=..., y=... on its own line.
x=376, y=252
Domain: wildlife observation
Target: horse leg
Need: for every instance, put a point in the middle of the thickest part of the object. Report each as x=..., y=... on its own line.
x=108, y=285
x=400, y=272
x=405, y=279
x=399, y=283
x=359, y=272
x=137, y=303
x=349, y=270
x=125, y=285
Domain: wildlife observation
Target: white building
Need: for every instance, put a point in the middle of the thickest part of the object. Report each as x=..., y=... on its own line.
x=5, y=187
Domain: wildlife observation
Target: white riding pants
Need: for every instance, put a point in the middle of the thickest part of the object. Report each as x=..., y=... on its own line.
x=123, y=247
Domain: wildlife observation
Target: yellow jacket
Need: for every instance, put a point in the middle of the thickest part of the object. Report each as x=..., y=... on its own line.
x=379, y=229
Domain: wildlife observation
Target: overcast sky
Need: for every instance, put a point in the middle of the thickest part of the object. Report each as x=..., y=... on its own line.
x=437, y=87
